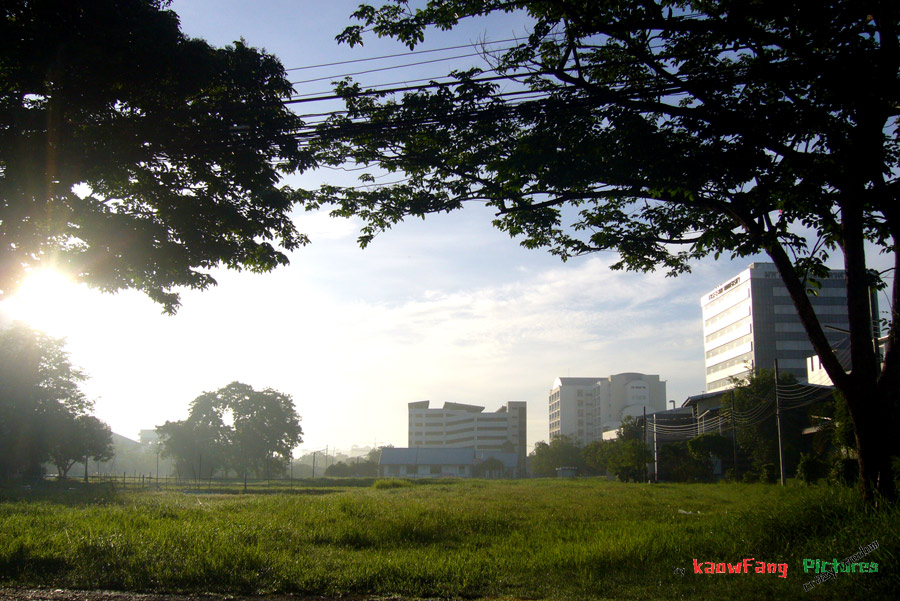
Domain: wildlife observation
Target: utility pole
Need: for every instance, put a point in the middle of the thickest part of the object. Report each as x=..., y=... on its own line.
x=655, y=453
x=778, y=423
x=314, y=464
x=733, y=434
x=644, y=424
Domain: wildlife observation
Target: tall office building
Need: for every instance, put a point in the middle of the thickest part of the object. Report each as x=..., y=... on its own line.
x=750, y=321
x=584, y=408
x=457, y=425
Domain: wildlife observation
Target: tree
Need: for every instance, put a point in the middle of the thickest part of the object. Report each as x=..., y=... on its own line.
x=669, y=132
x=678, y=464
x=630, y=455
x=707, y=446
x=561, y=452
x=597, y=455
x=76, y=438
x=132, y=156
x=264, y=428
x=40, y=398
x=198, y=448
x=759, y=440
x=353, y=469
x=489, y=468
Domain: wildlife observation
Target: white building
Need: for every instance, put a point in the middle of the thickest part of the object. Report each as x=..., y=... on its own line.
x=584, y=408
x=457, y=425
x=750, y=321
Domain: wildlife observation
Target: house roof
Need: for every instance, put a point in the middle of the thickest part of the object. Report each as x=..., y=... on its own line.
x=423, y=456
x=510, y=460
x=706, y=396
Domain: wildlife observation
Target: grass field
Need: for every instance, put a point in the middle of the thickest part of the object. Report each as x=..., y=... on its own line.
x=534, y=539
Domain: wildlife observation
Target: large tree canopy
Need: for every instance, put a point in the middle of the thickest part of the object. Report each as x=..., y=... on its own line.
x=667, y=131
x=235, y=427
x=132, y=156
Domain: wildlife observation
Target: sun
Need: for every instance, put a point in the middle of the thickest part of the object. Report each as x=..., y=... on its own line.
x=47, y=301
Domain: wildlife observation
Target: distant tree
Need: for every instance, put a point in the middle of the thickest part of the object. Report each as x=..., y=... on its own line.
x=759, y=440
x=629, y=460
x=132, y=156
x=76, y=438
x=666, y=131
x=199, y=449
x=709, y=446
x=338, y=470
x=264, y=429
x=375, y=454
x=678, y=464
x=560, y=452
x=630, y=455
x=489, y=468
x=38, y=387
x=352, y=469
x=597, y=455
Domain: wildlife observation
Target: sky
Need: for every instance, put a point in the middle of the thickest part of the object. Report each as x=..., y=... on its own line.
x=446, y=309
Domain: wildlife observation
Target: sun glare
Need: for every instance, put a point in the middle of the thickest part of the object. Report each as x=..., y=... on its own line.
x=46, y=301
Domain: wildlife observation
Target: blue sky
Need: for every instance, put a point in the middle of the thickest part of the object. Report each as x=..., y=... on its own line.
x=448, y=309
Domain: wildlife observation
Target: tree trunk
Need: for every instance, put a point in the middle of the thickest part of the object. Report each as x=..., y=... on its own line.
x=871, y=425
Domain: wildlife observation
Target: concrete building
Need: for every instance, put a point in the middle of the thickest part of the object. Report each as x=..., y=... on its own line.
x=584, y=408
x=457, y=425
x=815, y=372
x=750, y=321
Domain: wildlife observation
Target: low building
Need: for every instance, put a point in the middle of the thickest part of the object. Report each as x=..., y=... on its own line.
x=460, y=426
x=418, y=462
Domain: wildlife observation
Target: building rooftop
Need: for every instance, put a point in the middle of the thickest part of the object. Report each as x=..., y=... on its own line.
x=423, y=456
x=575, y=382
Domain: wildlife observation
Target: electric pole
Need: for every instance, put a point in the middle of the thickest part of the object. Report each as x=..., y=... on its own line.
x=778, y=423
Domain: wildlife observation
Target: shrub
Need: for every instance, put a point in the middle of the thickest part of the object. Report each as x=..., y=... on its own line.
x=751, y=476
x=768, y=473
x=810, y=469
x=391, y=483
x=844, y=471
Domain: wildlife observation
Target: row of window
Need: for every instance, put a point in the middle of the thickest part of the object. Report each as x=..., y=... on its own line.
x=739, y=360
x=739, y=309
x=725, y=382
x=729, y=346
x=730, y=328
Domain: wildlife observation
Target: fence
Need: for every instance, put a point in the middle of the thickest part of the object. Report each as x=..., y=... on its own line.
x=125, y=481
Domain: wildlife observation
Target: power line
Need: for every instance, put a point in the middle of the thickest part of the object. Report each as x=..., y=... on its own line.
x=410, y=53
x=404, y=66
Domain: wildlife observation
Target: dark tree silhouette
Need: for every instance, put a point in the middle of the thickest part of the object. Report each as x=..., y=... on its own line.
x=132, y=156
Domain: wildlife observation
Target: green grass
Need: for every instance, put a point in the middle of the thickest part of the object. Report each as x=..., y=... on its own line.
x=548, y=539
